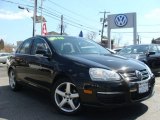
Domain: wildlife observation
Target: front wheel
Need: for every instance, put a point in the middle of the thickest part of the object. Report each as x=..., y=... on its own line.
x=66, y=97
x=12, y=81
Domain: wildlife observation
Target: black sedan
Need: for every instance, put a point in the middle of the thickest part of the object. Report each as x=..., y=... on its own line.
x=147, y=53
x=79, y=72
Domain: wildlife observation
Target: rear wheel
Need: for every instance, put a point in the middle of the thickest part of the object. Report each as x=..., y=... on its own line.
x=12, y=81
x=66, y=97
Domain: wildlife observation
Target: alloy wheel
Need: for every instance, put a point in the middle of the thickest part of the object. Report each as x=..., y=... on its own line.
x=12, y=79
x=67, y=97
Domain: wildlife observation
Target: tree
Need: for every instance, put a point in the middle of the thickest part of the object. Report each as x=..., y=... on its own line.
x=91, y=35
x=1, y=44
x=8, y=48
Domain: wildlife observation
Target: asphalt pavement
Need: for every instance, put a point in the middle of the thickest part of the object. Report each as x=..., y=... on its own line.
x=30, y=104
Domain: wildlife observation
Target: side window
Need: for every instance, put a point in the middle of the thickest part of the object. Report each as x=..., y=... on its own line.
x=67, y=48
x=25, y=47
x=40, y=44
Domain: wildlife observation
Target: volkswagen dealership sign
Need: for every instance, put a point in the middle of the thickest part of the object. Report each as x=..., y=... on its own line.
x=125, y=20
x=119, y=21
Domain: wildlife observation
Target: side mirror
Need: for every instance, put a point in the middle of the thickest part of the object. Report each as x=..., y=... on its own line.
x=41, y=52
x=150, y=53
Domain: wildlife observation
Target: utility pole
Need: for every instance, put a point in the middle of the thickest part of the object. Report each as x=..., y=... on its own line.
x=61, y=24
x=34, y=16
x=138, y=39
x=104, y=20
x=41, y=15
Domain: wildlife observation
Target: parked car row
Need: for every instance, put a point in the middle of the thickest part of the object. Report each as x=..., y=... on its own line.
x=79, y=72
x=147, y=53
x=3, y=57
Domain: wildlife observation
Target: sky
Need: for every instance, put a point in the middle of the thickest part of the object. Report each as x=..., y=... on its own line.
x=16, y=24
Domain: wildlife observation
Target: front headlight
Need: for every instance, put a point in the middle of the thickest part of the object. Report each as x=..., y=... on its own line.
x=99, y=74
x=149, y=70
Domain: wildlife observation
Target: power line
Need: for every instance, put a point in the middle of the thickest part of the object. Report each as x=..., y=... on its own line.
x=73, y=22
x=79, y=27
x=69, y=18
x=69, y=10
x=29, y=1
x=138, y=32
x=58, y=19
x=67, y=22
x=55, y=16
x=150, y=25
x=51, y=16
x=16, y=3
x=81, y=24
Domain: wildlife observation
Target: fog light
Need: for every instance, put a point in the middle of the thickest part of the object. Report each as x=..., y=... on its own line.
x=133, y=89
x=88, y=91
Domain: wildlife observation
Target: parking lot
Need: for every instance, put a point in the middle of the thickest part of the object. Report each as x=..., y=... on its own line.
x=30, y=104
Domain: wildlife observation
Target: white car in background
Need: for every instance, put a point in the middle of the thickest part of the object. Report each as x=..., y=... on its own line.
x=3, y=57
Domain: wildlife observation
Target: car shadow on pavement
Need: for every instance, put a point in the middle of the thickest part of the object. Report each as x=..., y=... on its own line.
x=30, y=104
x=129, y=112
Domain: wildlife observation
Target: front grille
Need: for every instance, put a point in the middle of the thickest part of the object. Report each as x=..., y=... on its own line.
x=111, y=99
x=132, y=77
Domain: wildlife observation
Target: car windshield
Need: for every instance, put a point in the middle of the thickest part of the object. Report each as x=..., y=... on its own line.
x=135, y=49
x=76, y=45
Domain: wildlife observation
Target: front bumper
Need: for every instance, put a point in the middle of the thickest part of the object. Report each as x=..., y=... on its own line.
x=116, y=93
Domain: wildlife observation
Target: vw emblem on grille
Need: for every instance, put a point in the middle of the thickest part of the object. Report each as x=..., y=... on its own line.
x=121, y=20
x=139, y=75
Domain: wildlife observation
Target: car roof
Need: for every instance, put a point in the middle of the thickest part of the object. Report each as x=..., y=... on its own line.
x=140, y=45
x=46, y=36
x=55, y=36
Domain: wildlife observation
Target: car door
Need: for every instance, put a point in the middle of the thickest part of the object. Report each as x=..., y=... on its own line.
x=21, y=60
x=41, y=67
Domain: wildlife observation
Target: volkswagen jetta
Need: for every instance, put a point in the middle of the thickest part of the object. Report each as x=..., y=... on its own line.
x=79, y=72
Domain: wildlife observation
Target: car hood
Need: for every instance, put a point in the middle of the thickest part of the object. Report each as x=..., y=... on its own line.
x=113, y=62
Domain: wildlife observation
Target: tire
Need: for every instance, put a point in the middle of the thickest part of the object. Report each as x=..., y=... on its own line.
x=66, y=97
x=12, y=81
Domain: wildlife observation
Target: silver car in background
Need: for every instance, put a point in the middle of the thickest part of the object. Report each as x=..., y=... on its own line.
x=3, y=57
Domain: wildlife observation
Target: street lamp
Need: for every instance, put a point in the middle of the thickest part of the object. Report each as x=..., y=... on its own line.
x=34, y=20
x=34, y=15
x=20, y=7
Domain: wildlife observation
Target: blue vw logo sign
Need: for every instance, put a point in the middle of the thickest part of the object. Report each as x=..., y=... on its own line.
x=121, y=20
